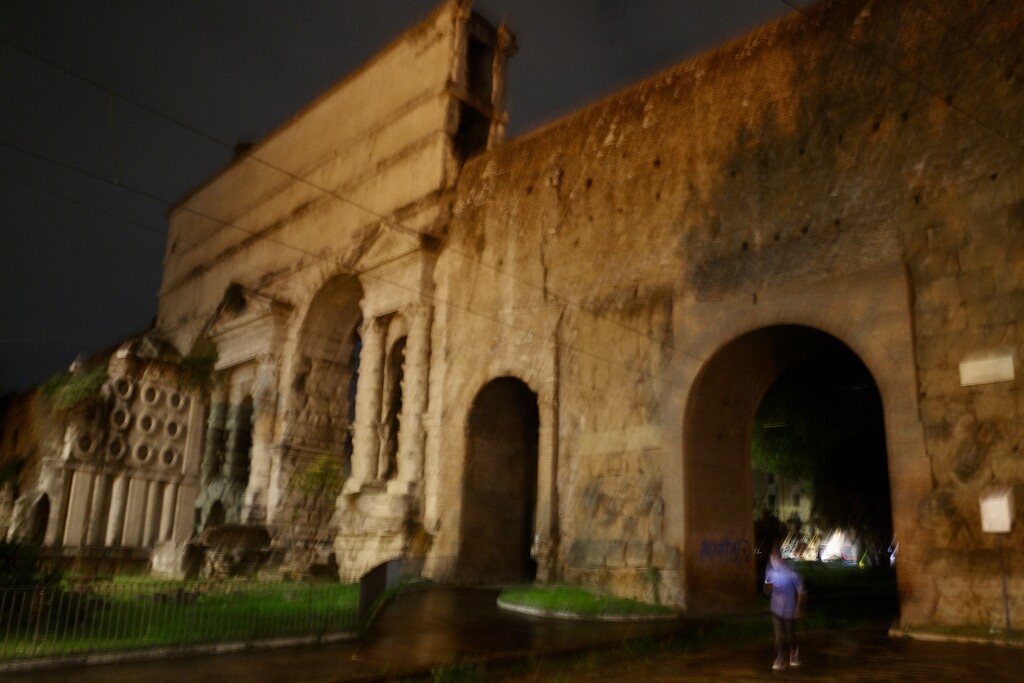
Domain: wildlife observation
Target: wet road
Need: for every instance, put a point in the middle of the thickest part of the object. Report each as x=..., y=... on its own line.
x=416, y=631
x=834, y=657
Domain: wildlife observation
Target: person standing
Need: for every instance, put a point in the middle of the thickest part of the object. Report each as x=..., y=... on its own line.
x=786, y=588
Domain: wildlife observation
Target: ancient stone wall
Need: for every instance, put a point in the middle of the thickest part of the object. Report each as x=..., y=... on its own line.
x=860, y=143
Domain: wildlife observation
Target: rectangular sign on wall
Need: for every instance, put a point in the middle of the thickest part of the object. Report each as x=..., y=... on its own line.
x=997, y=511
x=995, y=367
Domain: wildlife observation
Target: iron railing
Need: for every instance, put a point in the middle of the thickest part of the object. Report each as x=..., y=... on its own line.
x=107, y=616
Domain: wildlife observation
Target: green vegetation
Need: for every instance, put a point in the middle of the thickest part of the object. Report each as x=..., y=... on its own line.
x=312, y=495
x=123, y=614
x=575, y=601
x=72, y=390
x=822, y=425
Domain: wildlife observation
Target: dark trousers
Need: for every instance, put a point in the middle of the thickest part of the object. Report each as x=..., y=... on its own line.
x=785, y=636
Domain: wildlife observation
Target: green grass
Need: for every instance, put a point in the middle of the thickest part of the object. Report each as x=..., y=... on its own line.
x=575, y=601
x=124, y=615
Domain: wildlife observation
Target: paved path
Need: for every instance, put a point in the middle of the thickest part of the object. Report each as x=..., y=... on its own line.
x=827, y=658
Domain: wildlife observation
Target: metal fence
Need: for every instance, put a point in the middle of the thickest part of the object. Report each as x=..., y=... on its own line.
x=106, y=616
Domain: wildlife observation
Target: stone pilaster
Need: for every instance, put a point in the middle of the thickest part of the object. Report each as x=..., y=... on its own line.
x=546, y=519
x=213, y=453
x=150, y=521
x=99, y=510
x=264, y=417
x=115, y=519
x=78, y=507
x=415, y=391
x=366, y=441
x=167, y=511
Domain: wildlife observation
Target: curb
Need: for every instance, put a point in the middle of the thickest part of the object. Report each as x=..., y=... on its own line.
x=91, y=659
x=539, y=612
x=931, y=637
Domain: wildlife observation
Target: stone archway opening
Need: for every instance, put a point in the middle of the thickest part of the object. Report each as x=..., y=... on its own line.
x=499, y=492
x=742, y=388
x=322, y=406
x=40, y=519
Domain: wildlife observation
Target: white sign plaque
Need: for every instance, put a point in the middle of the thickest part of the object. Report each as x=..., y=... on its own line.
x=997, y=511
x=987, y=370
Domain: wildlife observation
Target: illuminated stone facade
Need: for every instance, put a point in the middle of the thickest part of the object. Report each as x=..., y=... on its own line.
x=545, y=355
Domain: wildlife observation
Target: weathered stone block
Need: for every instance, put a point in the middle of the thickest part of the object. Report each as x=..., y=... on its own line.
x=638, y=553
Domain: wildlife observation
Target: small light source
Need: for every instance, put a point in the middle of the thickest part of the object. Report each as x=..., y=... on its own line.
x=997, y=511
x=987, y=368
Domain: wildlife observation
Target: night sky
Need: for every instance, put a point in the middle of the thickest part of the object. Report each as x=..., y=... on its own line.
x=86, y=177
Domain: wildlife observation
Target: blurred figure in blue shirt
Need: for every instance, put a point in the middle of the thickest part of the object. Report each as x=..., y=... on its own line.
x=786, y=589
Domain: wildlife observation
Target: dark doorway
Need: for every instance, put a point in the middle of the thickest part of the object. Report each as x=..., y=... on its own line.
x=40, y=519
x=500, y=484
x=216, y=516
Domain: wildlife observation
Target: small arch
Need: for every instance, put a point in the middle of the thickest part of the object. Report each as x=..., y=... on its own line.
x=499, y=490
x=40, y=519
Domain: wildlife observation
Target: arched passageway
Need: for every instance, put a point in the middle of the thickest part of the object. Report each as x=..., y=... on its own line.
x=718, y=428
x=499, y=490
x=326, y=368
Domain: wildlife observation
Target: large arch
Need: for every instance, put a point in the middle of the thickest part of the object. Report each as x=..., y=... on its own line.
x=871, y=312
x=718, y=425
x=499, y=490
x=326, y=367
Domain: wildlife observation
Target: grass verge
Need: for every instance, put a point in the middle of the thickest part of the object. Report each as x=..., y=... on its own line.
x=565, y=600
x=120, y=615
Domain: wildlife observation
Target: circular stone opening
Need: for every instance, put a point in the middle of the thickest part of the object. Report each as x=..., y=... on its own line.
x=169, y=456
x=123, y=388
x=116, y=449
x=84, y=443
x=120, y=418
x=143, y=452
x=151, y=395
x=173, y=429
x=175, y=400
x=147, y=423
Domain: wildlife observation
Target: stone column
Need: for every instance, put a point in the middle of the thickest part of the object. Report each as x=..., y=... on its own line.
x=264, y=417
x=365, y=439
x=115, y=520
x=415, y=391
x=193, y=450
x=167, y=511
x=150, y=521
x=99, y=510
x=78, y=508
x=213, y=453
